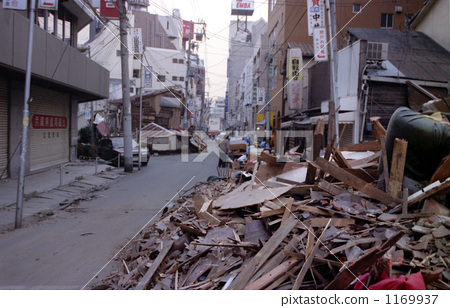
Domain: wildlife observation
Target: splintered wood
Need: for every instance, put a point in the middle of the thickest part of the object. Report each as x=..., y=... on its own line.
x=278, y=233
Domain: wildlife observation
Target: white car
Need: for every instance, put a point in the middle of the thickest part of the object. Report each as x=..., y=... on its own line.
x=110, y=149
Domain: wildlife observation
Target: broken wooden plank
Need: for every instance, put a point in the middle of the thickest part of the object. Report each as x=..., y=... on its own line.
x=144, y=282
x=317, y=222
x=258, y=260
x=248, y=198
x=287, y=210
x=309, y=260
x=327, y=155
x=385, y=162
x=352, y=243
x=378, y=129
x=273, y=275
x=340, y=159
x=355, y=182
x=343, y=280
x=296, y=176
x=428, y=191
x=397, y=168
x=372, y=146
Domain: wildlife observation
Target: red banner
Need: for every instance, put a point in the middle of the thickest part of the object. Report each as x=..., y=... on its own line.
x=186, y=30
x=41, y=121
x=109, y=8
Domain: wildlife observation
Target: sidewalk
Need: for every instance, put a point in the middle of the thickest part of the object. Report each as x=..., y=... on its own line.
x=43, y=191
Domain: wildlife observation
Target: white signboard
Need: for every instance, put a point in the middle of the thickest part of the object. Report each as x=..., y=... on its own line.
x=242, y=7
x=15, y=4
x=261, y=96
x=316, y=15
x=147, y=77
x=136, y=41
x=295, y=74
x=320, y=44
x=48, y=4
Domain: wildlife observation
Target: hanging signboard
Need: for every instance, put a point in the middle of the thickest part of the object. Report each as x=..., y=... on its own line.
x=110, y=8
x=186, y=30
x=295, y=75
x=320, y=44
x=136, y=41
x=48, y=5
x=147, y=77
x=15, y=4
x=261, y=96
x=316, y=15
x=242, y=7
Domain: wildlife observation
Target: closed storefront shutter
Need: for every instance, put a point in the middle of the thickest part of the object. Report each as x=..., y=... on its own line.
x=49, y=128
x=347, y=136
x=3, y=127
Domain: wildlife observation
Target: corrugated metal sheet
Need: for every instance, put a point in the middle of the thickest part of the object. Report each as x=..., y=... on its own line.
x=307, y=49
x=3, y=127
x=413, y=53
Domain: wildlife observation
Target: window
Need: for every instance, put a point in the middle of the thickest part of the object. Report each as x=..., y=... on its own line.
x=387, y=21
x=136, y=73
x=180, y=61
x=174, y=78
x=181, y=79
x=272, y=4
x=161, y=78
x=174, y=60
x=356, y=7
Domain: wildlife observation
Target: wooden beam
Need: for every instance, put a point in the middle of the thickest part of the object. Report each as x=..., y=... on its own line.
x=378, y=129
x=273, y=275
x=428, y=191
x=145, y=281
x=340, y=159
x=355, y=182
x=385, y=162
x=345, y=277
x=287, y=210
x=397, y=168
x=261, y=257
x=327, y=155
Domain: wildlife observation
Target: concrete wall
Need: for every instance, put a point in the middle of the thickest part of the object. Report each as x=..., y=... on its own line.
x=52, y=58
x=436, y=23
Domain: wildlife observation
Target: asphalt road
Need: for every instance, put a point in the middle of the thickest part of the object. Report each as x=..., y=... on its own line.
x=67, y=250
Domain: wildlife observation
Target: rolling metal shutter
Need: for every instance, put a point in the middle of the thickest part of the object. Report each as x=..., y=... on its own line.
x=3, y=127
x=49, y=128
x=347, y=137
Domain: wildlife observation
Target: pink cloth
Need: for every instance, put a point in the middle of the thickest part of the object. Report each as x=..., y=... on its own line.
x=413, y=282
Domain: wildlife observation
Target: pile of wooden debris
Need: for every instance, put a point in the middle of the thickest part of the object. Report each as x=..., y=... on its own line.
x=317, y=225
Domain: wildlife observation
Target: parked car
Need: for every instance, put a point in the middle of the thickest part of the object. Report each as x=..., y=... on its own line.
x=109, y=149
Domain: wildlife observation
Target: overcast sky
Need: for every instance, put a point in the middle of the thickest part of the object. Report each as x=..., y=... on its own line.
x=217, y=15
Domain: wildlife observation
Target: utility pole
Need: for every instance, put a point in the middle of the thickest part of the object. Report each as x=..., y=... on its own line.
x=140, y=110
x=269, y=60
x=188, y=64
x=128, y=146
x=25, y=120
x=331, y=9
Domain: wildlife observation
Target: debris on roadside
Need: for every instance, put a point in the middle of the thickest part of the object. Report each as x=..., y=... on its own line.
x=337, y=222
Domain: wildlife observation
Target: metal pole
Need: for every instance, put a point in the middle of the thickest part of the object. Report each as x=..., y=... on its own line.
x=140, y=112
x=188, y=64
x=331, y=8
x=128, y=146
x=25, y=121
x=268, y=98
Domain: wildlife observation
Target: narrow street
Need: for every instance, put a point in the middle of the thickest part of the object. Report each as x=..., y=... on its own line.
x=67, y=250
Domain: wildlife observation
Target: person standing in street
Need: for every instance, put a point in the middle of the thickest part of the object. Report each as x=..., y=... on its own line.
x=224, y=149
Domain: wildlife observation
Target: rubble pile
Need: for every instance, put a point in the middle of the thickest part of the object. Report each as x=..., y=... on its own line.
x=333, y=223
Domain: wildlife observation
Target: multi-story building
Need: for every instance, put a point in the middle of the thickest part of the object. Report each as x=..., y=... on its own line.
x=62, y=78
x=288, y=23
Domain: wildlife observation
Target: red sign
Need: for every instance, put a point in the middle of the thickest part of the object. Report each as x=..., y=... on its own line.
x=186, y=29
x=42, y=121
x=109, y=8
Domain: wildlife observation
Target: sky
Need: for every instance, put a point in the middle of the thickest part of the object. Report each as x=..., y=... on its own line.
x=214, y=50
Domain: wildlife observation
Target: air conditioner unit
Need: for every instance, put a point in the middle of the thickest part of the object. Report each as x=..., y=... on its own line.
x=398, y=9
x=377, y=51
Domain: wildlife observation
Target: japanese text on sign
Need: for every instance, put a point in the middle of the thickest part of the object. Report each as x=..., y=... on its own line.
x=15, y=4
x=316, y=15
x=41, y=121
x=320, y=44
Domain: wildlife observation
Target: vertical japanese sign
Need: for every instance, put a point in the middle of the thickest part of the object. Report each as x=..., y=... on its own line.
x=147, y=77
x=316, y=15
x=295, y=74
x=15, y=4
x=226, y=105
x=136, y=41
x=320, y=44
x=186, y=26
x=110, y=8
x=261, y=96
